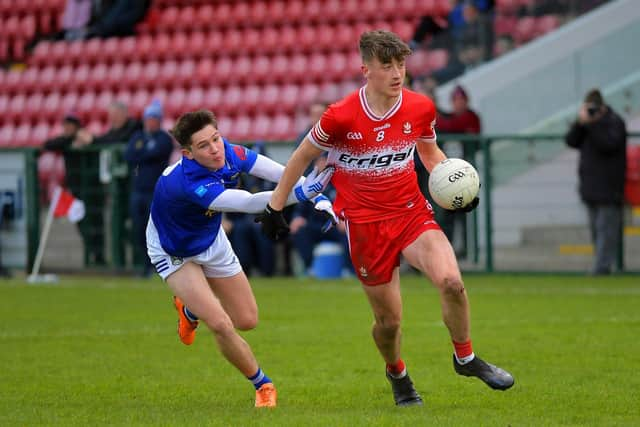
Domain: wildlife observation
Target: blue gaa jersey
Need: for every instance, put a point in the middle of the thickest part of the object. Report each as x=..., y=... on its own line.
x=180, y=208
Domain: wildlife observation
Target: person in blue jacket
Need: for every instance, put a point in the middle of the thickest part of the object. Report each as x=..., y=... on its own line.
x=147, y=153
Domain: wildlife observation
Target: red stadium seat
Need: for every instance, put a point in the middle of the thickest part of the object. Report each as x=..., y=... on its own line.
x=64, y=78
x=92, y=51
x=40, y=134
x=127, y=50
x=546, y=23
x=525, y=29
x=6, y=135
x=325, y=35
x=261, y=68
x=252, y=41
x=16, y=107
x=41, y=54
x=270, y=41
x=105, y=77
x=134, y=76
x=252, y=96
x=317, y=68
x=33, y=107
x=186, y=18
x=288, y=41
x=294, y=11
x=139, y=100
x=110, y=50
x=270, y=98
x=167, y=74
x=280, y=69
x=206, y=16
x=404, y=28
x=12, y=81
x=102, y=103
x=261, y=128
x=68, y=103
x=224, y=70
x=299, y=69
x=161, y=48
x=259, y=14
x=212, y=98
x=175, y=102
x=240, y=14
x=205, y=73
x=194, y=99
x=344, y=37
x=151, y=73
x=288, y=98
x=437, y=59
x=22, y=136
x=276, y=11
x=243, y=69
x=28, y=80
x=337, y=66
x=198, y=45
x=309, y=92
x=186, y=70
x=504, y=25
x=233, y=41
x=418, y=63
x=231, y=100
x=4, y=104
x=282, y=128
x=86, y=106
x=241, y=128
x=144, y=48
x=80, y=77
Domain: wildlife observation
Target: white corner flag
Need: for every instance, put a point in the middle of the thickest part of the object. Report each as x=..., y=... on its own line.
x=63, y=203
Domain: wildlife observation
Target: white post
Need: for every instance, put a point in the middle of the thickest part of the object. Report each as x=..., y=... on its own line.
x=44, y=236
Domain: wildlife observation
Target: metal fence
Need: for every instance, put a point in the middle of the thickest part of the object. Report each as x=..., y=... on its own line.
x=530, y=218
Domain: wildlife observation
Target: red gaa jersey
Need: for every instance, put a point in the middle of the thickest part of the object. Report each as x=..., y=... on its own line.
x=373, y=155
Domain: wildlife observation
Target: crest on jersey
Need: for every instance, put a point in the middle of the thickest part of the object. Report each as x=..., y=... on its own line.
x=406, y=128
x=240, y=152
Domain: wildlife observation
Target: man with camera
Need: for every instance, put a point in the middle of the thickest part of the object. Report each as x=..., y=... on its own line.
x=601, y=136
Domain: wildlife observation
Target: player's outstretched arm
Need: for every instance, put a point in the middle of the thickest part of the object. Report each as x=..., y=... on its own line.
x=232, y=200
x=430, y=154
x=300, y=159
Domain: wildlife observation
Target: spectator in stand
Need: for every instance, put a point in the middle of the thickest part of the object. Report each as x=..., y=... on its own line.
x=116, y=18
x=462, y=119
x=82, y=180
x=76, y=17
x=147, y=153
x=472, y=43
x=122, y=127
x=601, y=137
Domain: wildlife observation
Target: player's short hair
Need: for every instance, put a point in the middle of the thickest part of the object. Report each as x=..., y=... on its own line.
x=190, y=123
x=383, y=45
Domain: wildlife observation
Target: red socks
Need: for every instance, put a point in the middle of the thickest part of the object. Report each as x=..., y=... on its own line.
x=398, y=370
x=464, y=351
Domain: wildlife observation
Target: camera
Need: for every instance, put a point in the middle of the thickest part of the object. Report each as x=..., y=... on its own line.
x=592, y=110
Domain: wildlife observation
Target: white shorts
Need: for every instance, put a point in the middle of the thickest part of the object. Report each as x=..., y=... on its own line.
x=218, y=260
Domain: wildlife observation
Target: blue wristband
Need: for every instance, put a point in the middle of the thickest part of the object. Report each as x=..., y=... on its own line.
x=299, y=192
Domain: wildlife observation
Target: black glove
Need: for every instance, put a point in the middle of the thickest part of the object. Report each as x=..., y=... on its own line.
x=471, y=206
x=274, y=226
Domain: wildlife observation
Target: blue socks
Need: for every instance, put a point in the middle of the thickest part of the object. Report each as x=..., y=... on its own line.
x=192, y=317
x=259, y=379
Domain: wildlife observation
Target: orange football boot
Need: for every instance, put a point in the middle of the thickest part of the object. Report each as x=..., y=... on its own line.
x=186, y=328
x=266, y=396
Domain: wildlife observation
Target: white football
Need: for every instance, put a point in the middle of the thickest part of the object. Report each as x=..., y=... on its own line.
x=453, y=183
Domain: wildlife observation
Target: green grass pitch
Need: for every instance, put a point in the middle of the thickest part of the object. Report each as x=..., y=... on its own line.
x=97, y=351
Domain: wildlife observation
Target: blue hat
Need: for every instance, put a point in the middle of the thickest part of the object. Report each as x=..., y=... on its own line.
x=153, y=110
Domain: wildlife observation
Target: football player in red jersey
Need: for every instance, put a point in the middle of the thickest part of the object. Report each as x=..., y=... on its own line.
x=370, y=136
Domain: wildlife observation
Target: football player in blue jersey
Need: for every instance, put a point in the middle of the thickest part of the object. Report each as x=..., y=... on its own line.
x=189, y=249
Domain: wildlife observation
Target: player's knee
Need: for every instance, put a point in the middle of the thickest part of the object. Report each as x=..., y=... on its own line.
x=452, y=285
x=247, y=321
x=388, y=324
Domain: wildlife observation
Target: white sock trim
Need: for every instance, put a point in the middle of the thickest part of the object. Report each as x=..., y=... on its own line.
x=466, y=359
